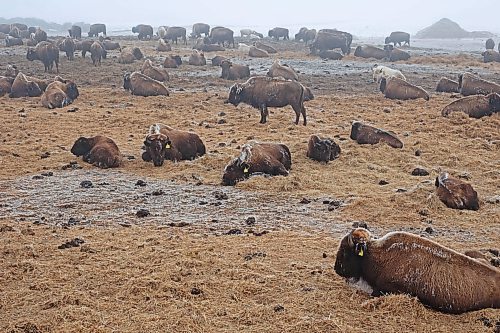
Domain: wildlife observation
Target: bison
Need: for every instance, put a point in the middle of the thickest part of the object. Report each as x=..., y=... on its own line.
x=197, y=58
x=305, y=35
x=40, y=36
x=75, y=32
x=475, y=106
x=59, y=93
x=470, y=84
x=97, y=28
x=200, y=28
x=398, y=37
x=22, y=86
x=176, y=32
x=262, y=92
x=401, y=262
x=366, y=134
x=96, y=52
x=142, y=85
x=396, y=88
x=491, y=56
x=165, y=143
x=278, y=33
x=156, y=73
x=145, y=31
x=447, y=85
x=385, y=72
x=99, y=150
x=455, y=193
x=68, y=46
x=269, y=158
x=257, y=53
x=330, y=55
x=163, y=46
x=490, y=44
x=284, y=71
x=369, y=51
x=269, y=49
x=394, y=54
x=329, y=41
x=47, y=53
x=172, y=61
x=129, y=55
x=232, y=71
x=11, y=41
x=220, y=35
x=250, y=32
x=322, y=150
x=5, y=85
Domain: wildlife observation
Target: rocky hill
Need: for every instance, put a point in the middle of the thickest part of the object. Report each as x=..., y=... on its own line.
x=446, y=28
x=47, y=26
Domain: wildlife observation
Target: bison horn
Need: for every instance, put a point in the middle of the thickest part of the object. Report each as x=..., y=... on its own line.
x=238, y=90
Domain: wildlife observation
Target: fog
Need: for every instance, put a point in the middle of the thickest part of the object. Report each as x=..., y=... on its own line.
x=362, y=17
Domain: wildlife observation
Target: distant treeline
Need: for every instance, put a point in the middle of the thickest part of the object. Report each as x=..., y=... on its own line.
x=47, y=26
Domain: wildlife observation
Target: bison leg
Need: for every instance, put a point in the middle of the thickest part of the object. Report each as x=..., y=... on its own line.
x=146, y=157
x=263, y=113
x=280, y=170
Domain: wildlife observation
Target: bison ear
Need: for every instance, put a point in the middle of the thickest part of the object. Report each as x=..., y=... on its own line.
x=147, y=142
x=239, y=89
x=245, y=167
x=168, y=144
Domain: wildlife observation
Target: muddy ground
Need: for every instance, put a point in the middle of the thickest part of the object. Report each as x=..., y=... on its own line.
x=254, y=258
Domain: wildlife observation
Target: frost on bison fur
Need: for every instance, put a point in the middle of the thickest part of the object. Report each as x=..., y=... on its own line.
x=380, y=72
x=396, y=88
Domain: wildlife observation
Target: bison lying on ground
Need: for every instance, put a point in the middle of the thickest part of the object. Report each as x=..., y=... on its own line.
x=156, y=73
x=217, y=60
x=232, y=71
x=129, y=55
x=262, y=92
x=369, y=51
x=12, y=41
x=330, y=55
x=23, y=87
x=249, y=33
x=172, y=61
x=366, y=134
x=165, y=143
x=142, y=85
x=197, y=58
x=396, y=88
x=491, y=56
x=284, y=71
x=456, y=194
x=47, y=53
x=394, y=54
x=447, y=85
x=269, y=49
x=257, y=53
x=98, y=150
x=322, y=150
x=470, y=84
x=163, y=46
x=59, y=93
x=476, y=106
x=268, y=158
x=401, y=262
x=5, y=85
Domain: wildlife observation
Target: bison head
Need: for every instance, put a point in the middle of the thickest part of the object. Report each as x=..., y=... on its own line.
x=33, y=89
x=351, y=252
x=494, y=101
x=320, y=150
x=72, y=91
x=356, y=127
x=383, y=83
x=387, y=40
x=156, y=147
x=234, y=172
x=137, y=53
x=134, y=30
x=235, y=94
x=126, y=82
x=81, y=146
x=31, y=54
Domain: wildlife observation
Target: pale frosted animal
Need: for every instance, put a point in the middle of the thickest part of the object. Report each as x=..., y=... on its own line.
x=380, y=72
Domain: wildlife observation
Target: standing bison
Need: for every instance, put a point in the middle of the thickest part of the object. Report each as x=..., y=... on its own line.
x=398, y=37
x=277, y=33
x=329, y=41
x=97, y=28
x=75, y=32
x=47, y=53
x=176, y=32
x=200, y=28
x=145, y=31
x=220, y=35
x=262, y=91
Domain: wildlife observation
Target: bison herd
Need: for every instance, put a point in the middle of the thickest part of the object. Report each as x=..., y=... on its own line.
x=359, y=254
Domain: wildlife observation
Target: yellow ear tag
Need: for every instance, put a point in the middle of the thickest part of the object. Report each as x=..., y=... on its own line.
x=360, y=253
x=245, y=170
x=167, y=146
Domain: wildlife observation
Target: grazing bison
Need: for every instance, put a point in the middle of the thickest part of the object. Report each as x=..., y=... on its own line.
x=284, y=71
x=176, y=32
x=476, y=106
x=269, y=49
x=11, y=41
x=197, y=58
x=220, y=35
x=401, y=262
x=22, y=86
x=369, y=51
x=232, y=71
x=5, y=85
x=156, y=73
x=366, y=134
x=262, y=92
x=200, y=28
x=172, y=61
x=385, y=72
x=59, y=94
x=96, y=52
x=490, y=44
x=163, y=46
x=75, y=32
x=97, y=28
x=305, y=35
x=250, y=32
x=491, y=56
x=68, y=46
x=322, y=150
x=398, y=37
x=142, y=85
x=329, y=41
x=99, y=150
x=145, y=31
x=447, y=85
x=255, y=52
x=277, y=33
x=40, y=36
x=396, y=88
x=269, y=158
x=470, y=84
x=456, y=194
x=47, y=53
x=165, y=143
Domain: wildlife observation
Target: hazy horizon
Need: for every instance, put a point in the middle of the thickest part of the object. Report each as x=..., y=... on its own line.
x=374, y=19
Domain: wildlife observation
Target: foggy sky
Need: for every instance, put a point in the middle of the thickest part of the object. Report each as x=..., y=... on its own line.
x=362, y=17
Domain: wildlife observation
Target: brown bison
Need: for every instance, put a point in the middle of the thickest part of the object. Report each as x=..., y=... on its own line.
x=40, y=36
x=476, y=106
x=470, y=84
x=142, y=85
x=278, y=33
x=84, y=46
x=197, y=58
x=491, y=56
x=176, y=32
x=156, y=73
x=220, y=35
x=23, y=87
x=200, y=28
x=269, y=158
x=269, y=49
x=75, y=32
x=68, y=46
x=96, y=51
x=284, y=71
x=262, y=92
x=172, y=61
x=398, y=37
x=369, y=51
x=366, y=134
x=396, y=88
x=232, y=71
x=145, y=31
x=47, y=53
x=328, y=41
x=456, y=194
x=5, y=85
x=322, y=150
x=447, y=85
x=99, y=150
x=490, y=44
x=59, y=94
x=165, y=143
x=401, y=262
x=97, y=28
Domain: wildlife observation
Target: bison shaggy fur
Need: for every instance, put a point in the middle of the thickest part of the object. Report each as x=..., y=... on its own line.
x=99, y=150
